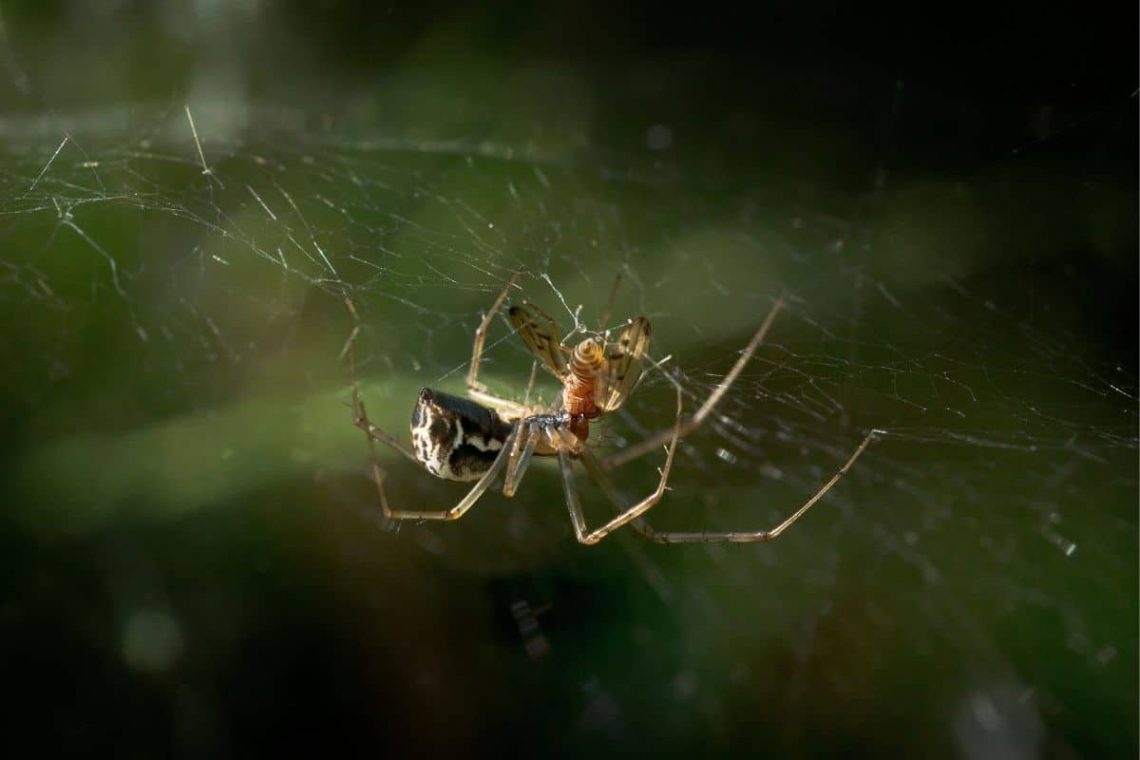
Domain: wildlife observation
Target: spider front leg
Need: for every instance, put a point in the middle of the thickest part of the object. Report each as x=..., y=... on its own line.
x=596, y=469
x=476, y=389
x=693, y=423
x=628, y=514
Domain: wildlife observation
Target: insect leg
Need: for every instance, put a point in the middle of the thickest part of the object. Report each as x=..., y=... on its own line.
x=605, y=316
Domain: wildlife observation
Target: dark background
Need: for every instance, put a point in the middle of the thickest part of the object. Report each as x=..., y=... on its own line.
x=192, y=557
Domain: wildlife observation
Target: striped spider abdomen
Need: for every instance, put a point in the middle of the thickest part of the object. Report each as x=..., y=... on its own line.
x=454, y=438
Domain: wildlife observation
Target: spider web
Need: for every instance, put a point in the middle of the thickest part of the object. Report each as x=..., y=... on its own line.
x=175, y=296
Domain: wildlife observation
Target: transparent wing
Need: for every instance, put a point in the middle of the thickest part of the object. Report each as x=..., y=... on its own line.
x=624, y=358
x=540, y=333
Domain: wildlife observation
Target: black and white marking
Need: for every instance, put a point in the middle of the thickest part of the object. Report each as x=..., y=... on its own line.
x=454, y=438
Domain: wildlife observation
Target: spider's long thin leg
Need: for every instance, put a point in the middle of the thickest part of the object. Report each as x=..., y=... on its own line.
x=706, y=537
x=374, y=434
x=455, y=512
x=631, y=513
x=360, y=417
x=692, y=423
x=476, y=389
x=520, y=455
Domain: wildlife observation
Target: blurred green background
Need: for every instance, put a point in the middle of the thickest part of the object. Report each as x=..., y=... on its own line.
x=193, y=557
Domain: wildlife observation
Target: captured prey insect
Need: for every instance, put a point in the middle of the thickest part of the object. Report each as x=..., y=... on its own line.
x=482, y=437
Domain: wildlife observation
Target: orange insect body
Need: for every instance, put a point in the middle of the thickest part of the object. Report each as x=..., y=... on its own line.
x=586, y=366
x=596, y=375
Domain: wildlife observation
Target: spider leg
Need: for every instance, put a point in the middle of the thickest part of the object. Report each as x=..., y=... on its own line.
x=600, y=476
x=374, y=434
x=630, y=513
x=475, y=389
x=459, y=509
x=505, y=407
x=360, y=417
x=520, y=455
x=708, y=537
x=692, y=423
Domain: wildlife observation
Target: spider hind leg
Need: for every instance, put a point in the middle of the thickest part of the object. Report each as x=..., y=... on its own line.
x=373, y=434
x=628, y=512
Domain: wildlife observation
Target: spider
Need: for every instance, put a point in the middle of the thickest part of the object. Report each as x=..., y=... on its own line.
x=484, y=436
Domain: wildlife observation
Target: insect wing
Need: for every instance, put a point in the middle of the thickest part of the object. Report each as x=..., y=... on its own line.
x=540, y=333
x=624, y=358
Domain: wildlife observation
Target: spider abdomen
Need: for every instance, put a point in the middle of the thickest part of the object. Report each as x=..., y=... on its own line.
x=454, y=438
